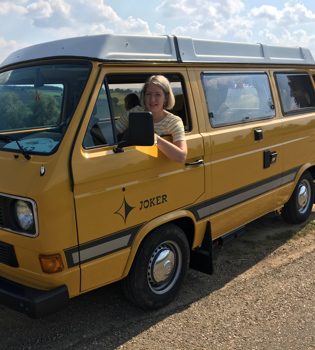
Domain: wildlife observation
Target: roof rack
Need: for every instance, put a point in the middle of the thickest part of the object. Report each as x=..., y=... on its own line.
x=110, y=47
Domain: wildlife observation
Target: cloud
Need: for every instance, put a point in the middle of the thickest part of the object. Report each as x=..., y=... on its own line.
x=159, y=29
x=293, y=13
x=12, y=6
x=133, y=25
x=214, y=19
x=85, y=11
x=200, y=10
x=8, y=47
x=297, y=38
x=236, y=28
x=63, y=18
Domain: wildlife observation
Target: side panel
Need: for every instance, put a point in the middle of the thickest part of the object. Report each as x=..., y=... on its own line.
x=115, y=194
x=239, y=187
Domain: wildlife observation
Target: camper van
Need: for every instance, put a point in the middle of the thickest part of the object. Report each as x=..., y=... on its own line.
x=82, y=206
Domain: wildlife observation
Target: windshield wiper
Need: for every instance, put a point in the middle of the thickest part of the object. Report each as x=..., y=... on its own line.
x=7, y=139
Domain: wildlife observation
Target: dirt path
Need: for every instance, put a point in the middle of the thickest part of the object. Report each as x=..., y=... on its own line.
x=261, y=296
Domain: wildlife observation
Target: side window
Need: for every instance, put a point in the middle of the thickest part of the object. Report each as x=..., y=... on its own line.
x=237, y=98
x=296, y=92
x=119, y=94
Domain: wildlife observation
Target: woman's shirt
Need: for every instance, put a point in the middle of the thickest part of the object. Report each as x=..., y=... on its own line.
x=170, y=125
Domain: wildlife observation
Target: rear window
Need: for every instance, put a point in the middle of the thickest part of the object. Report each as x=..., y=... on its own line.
x=296, y=92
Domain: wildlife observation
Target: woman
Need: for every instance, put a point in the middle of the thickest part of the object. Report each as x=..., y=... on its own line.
x=156, y=97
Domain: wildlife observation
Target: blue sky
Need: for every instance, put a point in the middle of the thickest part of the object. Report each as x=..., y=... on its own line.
x=288, y=23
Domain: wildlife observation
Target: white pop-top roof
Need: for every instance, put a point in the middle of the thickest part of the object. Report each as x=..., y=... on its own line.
x=160, y=48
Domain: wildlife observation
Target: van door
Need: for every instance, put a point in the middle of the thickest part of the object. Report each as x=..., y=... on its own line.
x=245, y=167
x=118, y=192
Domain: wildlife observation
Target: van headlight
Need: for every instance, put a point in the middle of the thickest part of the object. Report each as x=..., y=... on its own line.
x=24, y=215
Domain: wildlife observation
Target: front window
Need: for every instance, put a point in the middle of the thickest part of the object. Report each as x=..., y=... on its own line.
x=36, y=105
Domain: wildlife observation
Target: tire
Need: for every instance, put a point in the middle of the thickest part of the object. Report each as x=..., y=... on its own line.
x=159, y=268
x=299, y=206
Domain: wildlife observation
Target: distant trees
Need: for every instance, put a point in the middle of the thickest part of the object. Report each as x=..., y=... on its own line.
x=115, y=101
x=44, y=111
x=14, y=114
x=12, y=111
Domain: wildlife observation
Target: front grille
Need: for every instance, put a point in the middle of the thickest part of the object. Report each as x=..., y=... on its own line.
x=7, y=255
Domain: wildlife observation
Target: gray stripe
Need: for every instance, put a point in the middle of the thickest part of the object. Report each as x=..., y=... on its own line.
x=238, y=198
x=288, y=178
x=101, y=249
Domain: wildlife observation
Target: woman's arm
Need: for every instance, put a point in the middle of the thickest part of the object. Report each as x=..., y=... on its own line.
x=176, y=151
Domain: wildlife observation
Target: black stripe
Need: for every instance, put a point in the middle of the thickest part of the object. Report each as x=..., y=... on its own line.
x=101, y=247
x=239, y=196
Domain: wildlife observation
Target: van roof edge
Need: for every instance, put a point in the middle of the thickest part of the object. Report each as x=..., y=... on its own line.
x=116, y=47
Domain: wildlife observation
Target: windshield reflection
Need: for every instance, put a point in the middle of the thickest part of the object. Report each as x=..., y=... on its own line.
x=36, y=105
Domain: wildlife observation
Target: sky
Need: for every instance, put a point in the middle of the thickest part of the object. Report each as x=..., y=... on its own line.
x=274, y=22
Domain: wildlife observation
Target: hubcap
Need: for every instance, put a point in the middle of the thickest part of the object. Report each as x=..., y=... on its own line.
x=164, y=267
x=303, y=196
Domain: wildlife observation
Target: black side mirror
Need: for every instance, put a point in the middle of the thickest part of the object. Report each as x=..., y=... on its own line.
x=141, y=131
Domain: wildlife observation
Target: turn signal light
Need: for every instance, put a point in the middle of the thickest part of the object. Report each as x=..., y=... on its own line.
x=51, y=263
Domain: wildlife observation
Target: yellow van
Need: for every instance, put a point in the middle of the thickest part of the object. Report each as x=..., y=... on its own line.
x=81, y=208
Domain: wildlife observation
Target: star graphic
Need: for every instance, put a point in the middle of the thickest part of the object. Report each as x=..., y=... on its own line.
x=124, y=210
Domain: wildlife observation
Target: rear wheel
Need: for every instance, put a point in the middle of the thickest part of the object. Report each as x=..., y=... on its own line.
x=299, y=206
x=159, y=268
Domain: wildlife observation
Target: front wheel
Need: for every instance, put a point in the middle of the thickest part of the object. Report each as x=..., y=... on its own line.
x=299, y=206
x=159, y=268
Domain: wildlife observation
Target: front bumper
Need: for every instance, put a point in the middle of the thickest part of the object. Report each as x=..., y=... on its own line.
x=33, y=302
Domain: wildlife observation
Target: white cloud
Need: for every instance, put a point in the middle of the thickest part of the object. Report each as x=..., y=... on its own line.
x=213, y=19
x=81, y=17
x=159, y=29
x=7, y=47
x=7, y=7
x=200, y=9
x=175, y=8
x=95, y=11
x=293, y=13
x=236, y=28
x=49, y=13
x=297, y=38
x=192, y=27
x=133, y=25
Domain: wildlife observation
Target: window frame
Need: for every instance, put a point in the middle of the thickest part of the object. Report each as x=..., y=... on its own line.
x=237, y=73
x=294, y=111
x=134, y=78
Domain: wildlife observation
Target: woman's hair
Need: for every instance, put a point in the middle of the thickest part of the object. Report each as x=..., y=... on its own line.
x=131, y=100
x=162, y=83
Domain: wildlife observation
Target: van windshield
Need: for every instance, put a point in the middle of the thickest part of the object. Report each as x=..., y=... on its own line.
x=36, y=105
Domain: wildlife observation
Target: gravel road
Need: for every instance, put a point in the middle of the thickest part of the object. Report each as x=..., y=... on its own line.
x=261, y=296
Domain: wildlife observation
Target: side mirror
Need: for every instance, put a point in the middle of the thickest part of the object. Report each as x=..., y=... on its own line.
x=140, y=132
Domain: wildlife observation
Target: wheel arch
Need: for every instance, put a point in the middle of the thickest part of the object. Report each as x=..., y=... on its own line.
x=306, y=167
x=183, y=219
x=311, y=169
x=299, y=205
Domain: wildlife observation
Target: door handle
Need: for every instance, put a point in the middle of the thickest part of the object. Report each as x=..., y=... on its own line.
x=197, y=162
x=258, y=134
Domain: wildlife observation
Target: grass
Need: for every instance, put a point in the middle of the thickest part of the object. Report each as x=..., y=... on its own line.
x=308, y=229
x=249, y=245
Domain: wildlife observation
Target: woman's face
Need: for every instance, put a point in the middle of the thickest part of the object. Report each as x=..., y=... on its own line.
x=154, y=98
